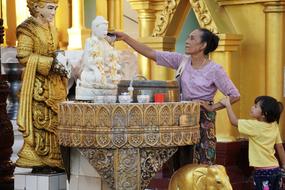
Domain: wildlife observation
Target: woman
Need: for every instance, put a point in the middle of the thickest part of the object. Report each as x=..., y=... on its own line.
x=200, y=80
x=44, y=86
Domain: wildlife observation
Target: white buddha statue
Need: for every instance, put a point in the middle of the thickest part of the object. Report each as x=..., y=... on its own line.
x=101, y=70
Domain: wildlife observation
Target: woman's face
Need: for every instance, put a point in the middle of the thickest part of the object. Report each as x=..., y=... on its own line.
x=47, y=12
x=193, y=43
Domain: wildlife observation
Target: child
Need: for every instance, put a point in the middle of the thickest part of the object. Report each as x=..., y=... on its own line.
x=263, y=135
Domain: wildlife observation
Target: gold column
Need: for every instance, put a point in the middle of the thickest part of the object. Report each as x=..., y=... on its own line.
x=275, y=45
x=78, y=33
x=115, y=18
x=63, y=22
x=102, y=8
x=10, y=23
x=147, y=10
x=112, y=10
x=225, y=56
x=146, y=20
x=115, y=14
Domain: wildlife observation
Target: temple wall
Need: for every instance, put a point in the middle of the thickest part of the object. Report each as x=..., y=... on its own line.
x=261, y=61
x=252, y=59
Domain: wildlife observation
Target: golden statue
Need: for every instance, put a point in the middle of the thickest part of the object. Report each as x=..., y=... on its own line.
x=44, y=86
x=200, y=177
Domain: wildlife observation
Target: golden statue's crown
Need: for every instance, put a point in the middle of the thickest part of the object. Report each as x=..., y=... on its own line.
x=42, y=1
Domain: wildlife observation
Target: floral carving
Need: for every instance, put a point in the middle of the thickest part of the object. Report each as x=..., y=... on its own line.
x=163, y=19
x=203, y=15
x=126, y=125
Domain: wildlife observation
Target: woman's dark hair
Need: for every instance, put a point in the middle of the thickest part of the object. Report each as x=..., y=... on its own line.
x=211, y=39
x=270, y=107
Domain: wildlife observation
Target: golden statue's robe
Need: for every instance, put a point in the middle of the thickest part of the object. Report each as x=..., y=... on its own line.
x=40, y=95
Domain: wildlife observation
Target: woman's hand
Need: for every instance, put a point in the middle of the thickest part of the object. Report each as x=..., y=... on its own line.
x=226, y=101
x=206, y=106
x=120, y=35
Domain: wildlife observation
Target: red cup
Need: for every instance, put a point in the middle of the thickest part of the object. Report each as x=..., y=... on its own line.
x=159, y=97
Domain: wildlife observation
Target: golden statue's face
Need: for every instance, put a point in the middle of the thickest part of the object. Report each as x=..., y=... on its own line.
x=47, y=12
x=34, y=4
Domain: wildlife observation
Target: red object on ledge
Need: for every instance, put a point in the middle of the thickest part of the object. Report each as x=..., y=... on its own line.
x=159, y=97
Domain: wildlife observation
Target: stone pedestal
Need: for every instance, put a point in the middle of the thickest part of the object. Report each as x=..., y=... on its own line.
x=30, y=181
x=83, y=175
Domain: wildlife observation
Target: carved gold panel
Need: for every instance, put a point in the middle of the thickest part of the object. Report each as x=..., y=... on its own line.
x=89, y=125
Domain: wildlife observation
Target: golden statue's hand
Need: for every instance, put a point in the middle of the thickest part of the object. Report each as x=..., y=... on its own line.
x=60, y=65
x=59, y=69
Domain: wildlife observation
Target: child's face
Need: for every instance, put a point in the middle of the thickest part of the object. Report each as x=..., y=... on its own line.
x=256, y=111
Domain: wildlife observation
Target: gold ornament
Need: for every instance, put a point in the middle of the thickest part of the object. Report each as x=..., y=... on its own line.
x=199, y=176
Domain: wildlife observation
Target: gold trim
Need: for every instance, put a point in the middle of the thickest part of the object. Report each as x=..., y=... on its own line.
x=274, y=7
x=164, y=17
x=229, y=42
x=242, y=2
x=117, y=126
x=203, y=15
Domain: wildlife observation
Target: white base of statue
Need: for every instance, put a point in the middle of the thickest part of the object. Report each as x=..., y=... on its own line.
x=82, y=93
x=83, y=175
x=30, y=181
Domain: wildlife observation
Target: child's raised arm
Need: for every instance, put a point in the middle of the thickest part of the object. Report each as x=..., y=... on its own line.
x=233, y=119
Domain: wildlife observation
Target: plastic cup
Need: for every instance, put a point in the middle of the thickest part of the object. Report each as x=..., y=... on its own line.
x=159, y=97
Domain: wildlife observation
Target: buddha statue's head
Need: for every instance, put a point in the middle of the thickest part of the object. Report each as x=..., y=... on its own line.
x=35, y=5
x=99, y=27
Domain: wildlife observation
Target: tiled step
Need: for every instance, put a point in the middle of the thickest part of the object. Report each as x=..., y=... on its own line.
x=30, y=181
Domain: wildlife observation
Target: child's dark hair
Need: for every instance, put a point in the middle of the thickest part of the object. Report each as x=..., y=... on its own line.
x=270, y=107
x=211, y=39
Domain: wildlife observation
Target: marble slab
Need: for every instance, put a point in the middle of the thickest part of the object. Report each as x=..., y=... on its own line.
x=30, y=181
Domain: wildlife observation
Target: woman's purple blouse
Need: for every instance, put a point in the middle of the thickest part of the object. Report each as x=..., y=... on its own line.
x=199, y=84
